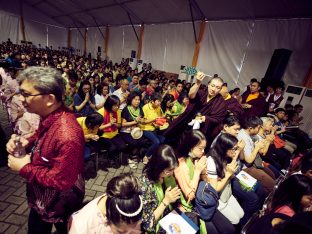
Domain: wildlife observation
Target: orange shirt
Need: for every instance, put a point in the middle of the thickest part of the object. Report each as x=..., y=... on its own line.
x=252, y=97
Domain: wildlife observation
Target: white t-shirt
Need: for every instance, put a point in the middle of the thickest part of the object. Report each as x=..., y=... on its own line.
x=99, y=99
x=249, y=144
x=211, y=168
x=120, y=94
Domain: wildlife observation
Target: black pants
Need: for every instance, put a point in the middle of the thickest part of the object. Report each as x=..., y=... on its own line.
x=135, y=145
x=250, y=201
x=219, y=224
x=279, y=157
x=115, y=146
x=3, y=152
x=37, y=226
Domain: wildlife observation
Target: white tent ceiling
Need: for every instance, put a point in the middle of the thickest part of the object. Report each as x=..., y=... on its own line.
x=81, y=13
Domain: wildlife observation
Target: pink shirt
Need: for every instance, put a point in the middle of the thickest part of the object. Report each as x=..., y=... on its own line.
x=286, y=210
x=90, y=220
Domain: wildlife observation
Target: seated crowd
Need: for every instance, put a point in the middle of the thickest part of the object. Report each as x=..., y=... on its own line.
x=193, y=139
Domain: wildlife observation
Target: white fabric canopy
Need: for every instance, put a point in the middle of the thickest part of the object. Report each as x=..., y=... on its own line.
x=168, y=46
x=237, y=50
x=121, y=41
x=241, y=50
x=94, y=40
x=9, y=25
x=57, y=37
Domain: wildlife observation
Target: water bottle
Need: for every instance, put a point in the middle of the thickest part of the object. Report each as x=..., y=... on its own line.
x=19, y=151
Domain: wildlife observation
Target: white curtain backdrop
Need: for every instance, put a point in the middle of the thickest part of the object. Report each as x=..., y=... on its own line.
x=237, y=50
x=130, y=41
x=168, y=46
x=115, y=44
x=36, y=33
x=223, y=49
x=77, y=40
x=57, y=37
x=121, y=41
x=295, y=35
x=94, y=40
x=9, y=27
x=241, y=50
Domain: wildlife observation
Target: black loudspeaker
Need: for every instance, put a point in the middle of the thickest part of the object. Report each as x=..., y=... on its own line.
x=133, y=53
x=277, y=66
x=99, y=49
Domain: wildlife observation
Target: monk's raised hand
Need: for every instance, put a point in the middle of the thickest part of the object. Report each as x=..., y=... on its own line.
x=200, y=77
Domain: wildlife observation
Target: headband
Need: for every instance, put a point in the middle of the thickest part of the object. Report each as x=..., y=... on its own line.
x=131, y=214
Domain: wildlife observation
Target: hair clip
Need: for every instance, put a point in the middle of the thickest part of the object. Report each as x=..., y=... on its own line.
x=134, y=213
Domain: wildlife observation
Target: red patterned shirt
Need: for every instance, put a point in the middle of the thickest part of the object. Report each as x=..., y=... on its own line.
x=55, y=185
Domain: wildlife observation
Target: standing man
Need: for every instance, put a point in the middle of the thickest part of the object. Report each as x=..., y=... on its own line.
x=253, y=102
x=53, y=164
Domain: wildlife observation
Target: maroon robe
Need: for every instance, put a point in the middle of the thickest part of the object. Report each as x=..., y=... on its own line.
x=234, y=107
x=259, y=105
x=214, y=111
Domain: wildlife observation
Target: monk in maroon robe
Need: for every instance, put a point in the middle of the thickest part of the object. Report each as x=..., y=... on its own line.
x=233, y=107
x=253, y=102
x=208, y=102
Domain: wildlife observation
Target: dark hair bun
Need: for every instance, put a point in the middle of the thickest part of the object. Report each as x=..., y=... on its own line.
x=124, y=186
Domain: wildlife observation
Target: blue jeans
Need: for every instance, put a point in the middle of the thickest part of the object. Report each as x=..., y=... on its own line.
x=250, y=201
x=155, y=139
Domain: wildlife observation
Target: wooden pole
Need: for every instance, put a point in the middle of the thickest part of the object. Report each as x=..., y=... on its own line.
x=23, y=28
x=85, y=42
x=22, y=21
x=308, y=79
x=140, y=43
x=199, y=40
x=106, y=41
x=68, y=38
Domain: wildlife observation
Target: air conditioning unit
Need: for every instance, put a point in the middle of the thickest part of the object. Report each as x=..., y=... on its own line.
x=292, y=95
x=140, y=65
x=133, y=63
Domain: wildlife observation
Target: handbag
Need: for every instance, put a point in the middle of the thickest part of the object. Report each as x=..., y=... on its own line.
x=206, y=200
x=226, y=193
x=278, y=142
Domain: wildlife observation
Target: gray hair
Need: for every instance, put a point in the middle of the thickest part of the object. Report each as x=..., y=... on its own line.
x=266, y=119
x=46, y=80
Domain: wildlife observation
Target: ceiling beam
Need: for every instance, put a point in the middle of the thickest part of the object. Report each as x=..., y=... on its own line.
x=193, y=21
x=195, y=4
x=128, y=11
x=45, y=13
x=37, y=3
x=90, y=15
x=61, y=10
x=93, y=8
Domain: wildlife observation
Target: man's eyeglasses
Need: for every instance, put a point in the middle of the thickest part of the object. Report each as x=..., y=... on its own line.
x=26, y=95
x=234, y=148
